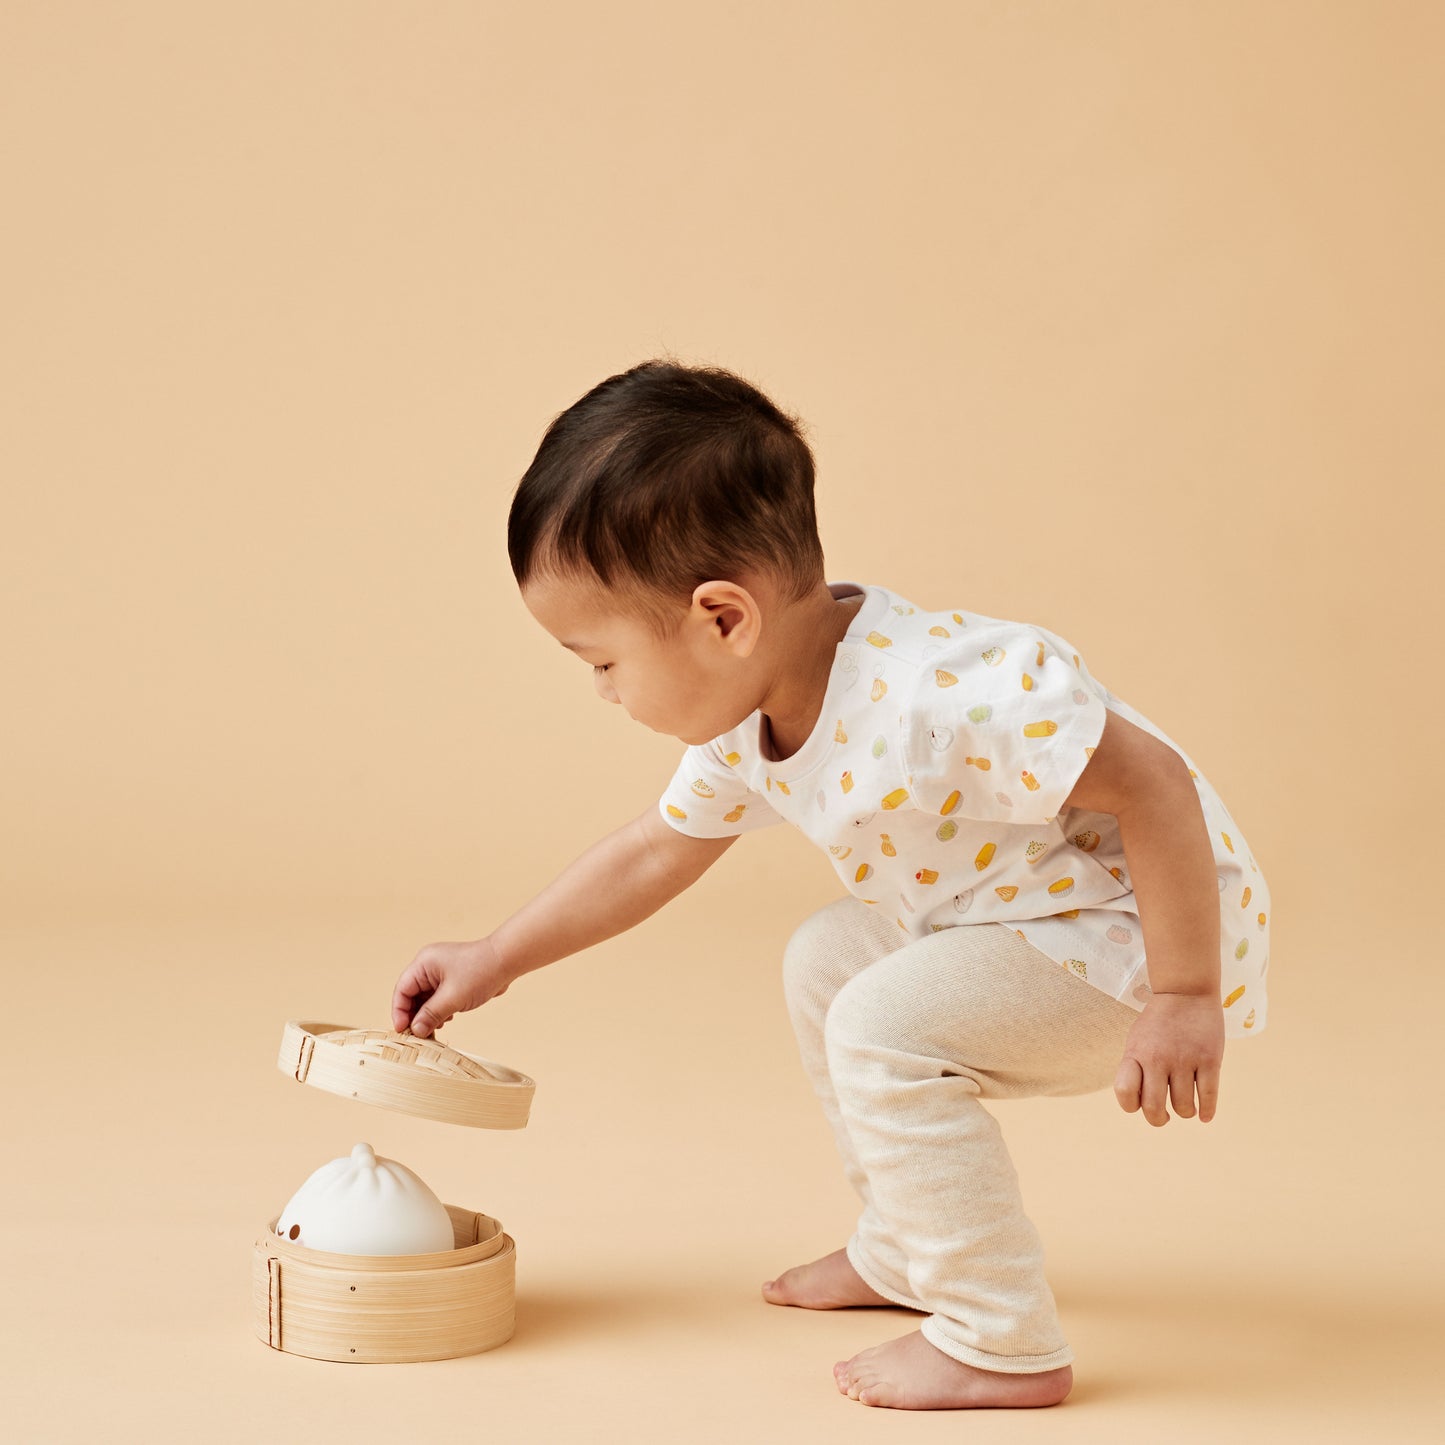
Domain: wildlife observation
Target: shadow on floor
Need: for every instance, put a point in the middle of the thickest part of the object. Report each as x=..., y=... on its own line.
x=1167, y=1336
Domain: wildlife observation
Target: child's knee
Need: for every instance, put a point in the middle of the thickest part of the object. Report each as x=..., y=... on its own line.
x=812, y=956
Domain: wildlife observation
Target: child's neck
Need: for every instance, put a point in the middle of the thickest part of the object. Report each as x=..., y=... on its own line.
x=791, y=712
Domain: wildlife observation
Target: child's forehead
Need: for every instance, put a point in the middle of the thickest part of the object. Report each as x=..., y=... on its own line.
x=578, y=613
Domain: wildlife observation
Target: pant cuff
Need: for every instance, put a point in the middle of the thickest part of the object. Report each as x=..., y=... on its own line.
x=932, y=1331
x=869, y=1276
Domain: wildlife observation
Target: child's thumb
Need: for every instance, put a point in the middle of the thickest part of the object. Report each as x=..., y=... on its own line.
x=431, y=1015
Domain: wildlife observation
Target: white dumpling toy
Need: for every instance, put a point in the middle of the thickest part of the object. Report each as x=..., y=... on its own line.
x=361, y=1204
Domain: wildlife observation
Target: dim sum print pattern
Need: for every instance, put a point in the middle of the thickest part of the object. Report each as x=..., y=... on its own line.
x=936, y=782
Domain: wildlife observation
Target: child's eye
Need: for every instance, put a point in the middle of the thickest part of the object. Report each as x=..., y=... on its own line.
x=601, y=666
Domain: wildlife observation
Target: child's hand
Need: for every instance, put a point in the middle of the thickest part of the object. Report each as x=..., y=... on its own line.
x=1176, y=1044
x=443, y=980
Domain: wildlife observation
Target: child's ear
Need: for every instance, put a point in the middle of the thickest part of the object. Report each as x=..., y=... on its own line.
x=733, y=612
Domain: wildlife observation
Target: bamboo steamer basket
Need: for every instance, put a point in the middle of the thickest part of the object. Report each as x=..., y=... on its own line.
x=394, y=1308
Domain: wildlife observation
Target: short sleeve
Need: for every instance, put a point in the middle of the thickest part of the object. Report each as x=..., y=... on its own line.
x=707, y=799
x=999, y=725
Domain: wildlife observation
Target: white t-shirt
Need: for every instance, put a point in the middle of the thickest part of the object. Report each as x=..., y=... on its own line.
x=935, y=778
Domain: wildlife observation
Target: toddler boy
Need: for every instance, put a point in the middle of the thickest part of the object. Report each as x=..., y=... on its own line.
x=1044, y=895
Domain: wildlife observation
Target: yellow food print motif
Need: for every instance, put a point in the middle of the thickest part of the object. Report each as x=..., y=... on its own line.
x=982, y=764
x=846, y=782
x=736, y=813
x=1242, y=949
x=879, y=688
x=676, y=813
x=1249, y=1019
x=993, y=656
x=927, y=875
x=784, y=788
x=1244, y=902
x=985, y=856
x=1061, y=887
x=895, y=798
x=1068, y=913
x=1237, y=994
x=878, y=640
x=901, y=610
x=1086, y=841
x=901, y=924
x=950, y=803
x=1227, y=843
x=889, y=851
x=1261, y=920
x=732, y=759
x=1118, y=873
x=1028, y=683
x=864, y=873
x=1044, y=729
x=1030, y=782
x=957, y=616
x=839, y=736
x=939, y=632
x=839, y=850
x=701, y=789
x=1035, y=851
x=1088, y=752
x=947, y=831
x=1119, y=934
x=1076, y=660
x=1078, y=965
x=942, y=678
x=1039, y=660
x=1008, y=893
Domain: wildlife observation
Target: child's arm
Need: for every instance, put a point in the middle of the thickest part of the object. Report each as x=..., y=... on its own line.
x=1177, y=1042
x=615, y=884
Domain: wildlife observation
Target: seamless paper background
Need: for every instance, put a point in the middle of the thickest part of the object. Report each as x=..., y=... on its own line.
x=1121, y=319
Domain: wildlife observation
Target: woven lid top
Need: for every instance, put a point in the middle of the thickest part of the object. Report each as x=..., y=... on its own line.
x=406, y=1073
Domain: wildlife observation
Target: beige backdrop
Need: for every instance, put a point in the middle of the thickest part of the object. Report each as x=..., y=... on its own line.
x=1121, y=318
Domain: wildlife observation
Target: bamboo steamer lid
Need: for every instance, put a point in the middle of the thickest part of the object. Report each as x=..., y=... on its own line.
x=409, y=1074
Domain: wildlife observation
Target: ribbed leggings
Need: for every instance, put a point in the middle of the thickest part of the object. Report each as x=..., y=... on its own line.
x=902, y=1038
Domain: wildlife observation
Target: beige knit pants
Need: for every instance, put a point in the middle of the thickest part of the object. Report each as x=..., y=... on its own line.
x=901, y=1039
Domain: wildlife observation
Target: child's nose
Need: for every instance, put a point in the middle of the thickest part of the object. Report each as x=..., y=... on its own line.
x=604, y=688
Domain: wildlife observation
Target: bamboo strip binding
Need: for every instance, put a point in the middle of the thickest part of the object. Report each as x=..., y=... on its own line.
x=409, y=1074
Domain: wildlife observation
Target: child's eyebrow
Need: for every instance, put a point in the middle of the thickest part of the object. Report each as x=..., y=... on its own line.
x=575, y=646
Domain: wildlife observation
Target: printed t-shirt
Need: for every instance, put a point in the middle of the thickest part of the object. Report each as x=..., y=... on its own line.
x=935, y=778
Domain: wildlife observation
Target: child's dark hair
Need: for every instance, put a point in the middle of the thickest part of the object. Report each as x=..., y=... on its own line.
x=663, y=477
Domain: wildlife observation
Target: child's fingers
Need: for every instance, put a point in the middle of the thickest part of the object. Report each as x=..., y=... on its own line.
x=411, y=989
x=1181, y=1093
x=1154, y=1095
x=1208, y=1094
x=1126, y=1084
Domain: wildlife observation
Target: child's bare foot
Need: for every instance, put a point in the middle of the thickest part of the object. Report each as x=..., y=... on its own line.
x=911, y=1374
x=830, y=1283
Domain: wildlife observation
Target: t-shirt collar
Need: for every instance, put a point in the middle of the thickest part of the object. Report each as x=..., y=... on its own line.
x=876, y=602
